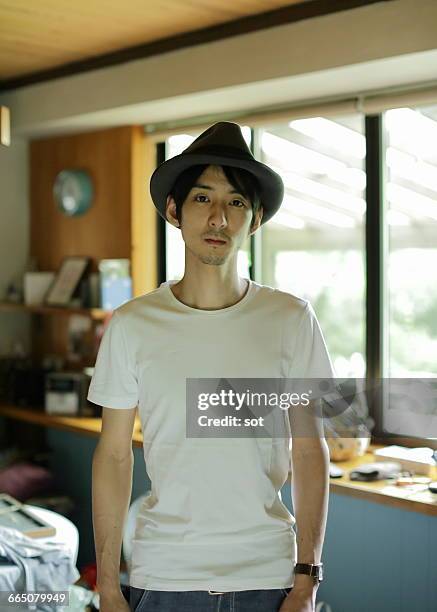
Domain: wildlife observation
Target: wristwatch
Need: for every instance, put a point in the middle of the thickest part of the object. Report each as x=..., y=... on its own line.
x=312, y=569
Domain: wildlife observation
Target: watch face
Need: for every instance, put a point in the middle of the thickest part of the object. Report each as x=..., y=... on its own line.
x=73, y=192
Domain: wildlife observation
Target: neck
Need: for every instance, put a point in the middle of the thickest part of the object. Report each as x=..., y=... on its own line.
x=212, y=289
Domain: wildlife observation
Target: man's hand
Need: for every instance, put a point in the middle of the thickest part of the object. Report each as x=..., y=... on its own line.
x=300, y=600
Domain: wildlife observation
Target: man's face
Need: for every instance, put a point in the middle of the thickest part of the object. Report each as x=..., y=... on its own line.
x=214, y=209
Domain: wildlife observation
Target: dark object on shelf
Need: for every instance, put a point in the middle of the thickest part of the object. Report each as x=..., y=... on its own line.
x=84, y=292
x=14, y=293
x=22, y=381
x=379, y=470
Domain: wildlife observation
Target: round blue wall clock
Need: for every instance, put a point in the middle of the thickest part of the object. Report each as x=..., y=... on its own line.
x=73, y=192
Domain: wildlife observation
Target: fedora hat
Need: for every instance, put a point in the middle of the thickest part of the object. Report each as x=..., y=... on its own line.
x=222, y=144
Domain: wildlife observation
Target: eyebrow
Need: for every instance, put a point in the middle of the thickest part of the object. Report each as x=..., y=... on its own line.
x=212, y=189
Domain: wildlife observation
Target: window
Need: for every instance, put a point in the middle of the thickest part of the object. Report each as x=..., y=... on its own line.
x=411, y=213
x=410, y=290
x=313, y=247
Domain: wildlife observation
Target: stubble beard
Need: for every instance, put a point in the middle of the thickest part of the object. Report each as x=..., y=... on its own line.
x=212, y=260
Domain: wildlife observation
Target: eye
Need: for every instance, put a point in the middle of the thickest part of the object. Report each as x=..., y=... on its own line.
x=242, y=204
x=199, y=195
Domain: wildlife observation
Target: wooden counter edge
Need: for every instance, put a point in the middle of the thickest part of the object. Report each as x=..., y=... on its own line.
x=88, y=426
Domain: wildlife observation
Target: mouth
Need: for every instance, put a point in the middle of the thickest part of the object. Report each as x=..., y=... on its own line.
x=214, y=241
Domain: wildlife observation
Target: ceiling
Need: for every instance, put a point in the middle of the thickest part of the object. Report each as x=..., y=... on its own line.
x=51, y=38
x=35, y=36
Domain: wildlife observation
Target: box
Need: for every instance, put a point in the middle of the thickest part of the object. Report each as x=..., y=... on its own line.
x=116, y=284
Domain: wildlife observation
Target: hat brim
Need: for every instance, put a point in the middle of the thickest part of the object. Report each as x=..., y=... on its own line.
x=165, y=175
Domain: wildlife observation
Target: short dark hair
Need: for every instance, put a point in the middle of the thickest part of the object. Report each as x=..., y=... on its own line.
x=241, y=179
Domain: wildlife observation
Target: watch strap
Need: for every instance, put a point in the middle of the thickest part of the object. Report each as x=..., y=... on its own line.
x=312, y=569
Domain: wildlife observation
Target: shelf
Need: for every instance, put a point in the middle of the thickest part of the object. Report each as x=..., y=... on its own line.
x=97, y=314
x=88, y=426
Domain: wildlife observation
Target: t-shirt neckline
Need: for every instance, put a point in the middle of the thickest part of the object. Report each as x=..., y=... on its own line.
x=246, y=297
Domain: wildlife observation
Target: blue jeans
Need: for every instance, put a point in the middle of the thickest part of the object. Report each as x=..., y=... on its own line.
x=262, y=600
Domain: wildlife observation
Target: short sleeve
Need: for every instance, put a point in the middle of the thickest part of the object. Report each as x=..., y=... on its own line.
x=114, y=382
x=311, y=358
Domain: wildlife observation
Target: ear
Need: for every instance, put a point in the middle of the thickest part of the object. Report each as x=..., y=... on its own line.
x=170, y=211
x=257, y=221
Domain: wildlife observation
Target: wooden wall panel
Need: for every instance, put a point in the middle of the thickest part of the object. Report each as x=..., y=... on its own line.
x=105, y=230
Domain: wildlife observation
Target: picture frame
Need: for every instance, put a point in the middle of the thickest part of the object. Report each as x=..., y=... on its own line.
x=66, y=281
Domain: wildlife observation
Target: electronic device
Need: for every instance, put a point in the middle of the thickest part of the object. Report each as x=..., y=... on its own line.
x=66, y=394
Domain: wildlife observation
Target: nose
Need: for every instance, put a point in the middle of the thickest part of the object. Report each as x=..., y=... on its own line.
x=217, y=217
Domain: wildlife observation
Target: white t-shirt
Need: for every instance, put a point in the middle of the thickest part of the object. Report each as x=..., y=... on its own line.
x=214, y=518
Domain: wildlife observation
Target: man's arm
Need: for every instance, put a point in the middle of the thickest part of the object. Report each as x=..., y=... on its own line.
x=309, y=488
x=111, y=492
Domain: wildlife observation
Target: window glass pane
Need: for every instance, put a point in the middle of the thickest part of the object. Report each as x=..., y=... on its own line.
x=175, y=249
x=411, y=217
x=313, y=247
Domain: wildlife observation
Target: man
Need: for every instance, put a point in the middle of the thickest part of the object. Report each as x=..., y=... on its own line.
x=213, y=533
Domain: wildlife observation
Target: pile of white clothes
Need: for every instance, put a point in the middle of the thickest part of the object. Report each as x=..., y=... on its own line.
x=44, y=566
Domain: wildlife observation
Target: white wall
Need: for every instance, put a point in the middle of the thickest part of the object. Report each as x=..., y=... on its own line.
x=14, y=235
